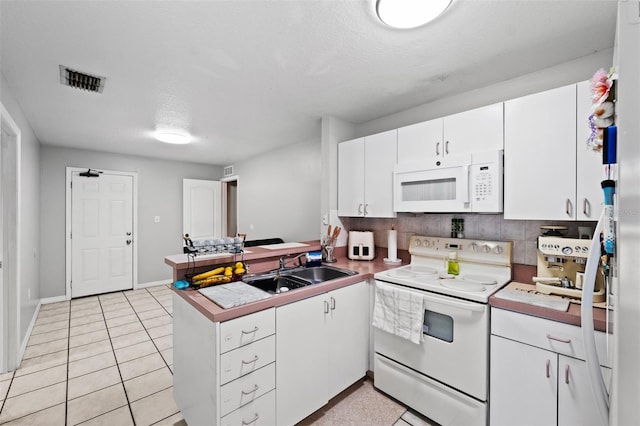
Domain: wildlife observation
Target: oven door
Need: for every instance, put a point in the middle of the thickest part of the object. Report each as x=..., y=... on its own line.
x=455, y=345
x=441, y=187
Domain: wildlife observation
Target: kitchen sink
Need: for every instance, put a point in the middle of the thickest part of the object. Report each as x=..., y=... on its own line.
x=275, y=284
x=319, y=274
x=290, y=279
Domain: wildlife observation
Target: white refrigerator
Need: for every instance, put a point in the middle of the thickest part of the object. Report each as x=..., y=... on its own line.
x=621, y=406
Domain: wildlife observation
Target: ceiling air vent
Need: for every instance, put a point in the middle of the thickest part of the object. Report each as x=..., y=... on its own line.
x=228, y=171
x=81, y=80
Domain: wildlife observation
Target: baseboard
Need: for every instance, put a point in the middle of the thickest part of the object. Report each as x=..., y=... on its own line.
x=23, y=346
x=55, y=299
x=153, y=283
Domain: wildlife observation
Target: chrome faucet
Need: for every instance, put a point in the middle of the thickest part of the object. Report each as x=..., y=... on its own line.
x=284, y=262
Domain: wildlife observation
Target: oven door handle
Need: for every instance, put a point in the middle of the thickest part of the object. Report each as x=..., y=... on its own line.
x=475, y=307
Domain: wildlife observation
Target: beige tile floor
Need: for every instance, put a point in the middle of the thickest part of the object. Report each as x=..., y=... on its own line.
x=107, y=360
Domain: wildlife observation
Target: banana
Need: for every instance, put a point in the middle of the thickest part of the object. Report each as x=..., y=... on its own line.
x=208, y=274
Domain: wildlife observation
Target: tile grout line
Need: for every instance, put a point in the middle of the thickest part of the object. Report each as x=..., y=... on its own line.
x=117, y=363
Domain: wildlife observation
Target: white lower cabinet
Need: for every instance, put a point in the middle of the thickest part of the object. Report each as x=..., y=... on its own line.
x=532, y=381
x=322, y=348
x=224, y=373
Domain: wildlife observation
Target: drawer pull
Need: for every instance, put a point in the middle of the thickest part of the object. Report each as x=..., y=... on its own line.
x=326, y=307
x=566, y=374
x=548, y=368
x=333, y=303
x=255, y=330
x=254, y=390
x=255, y=358
x=255, y=419
x=558, y=339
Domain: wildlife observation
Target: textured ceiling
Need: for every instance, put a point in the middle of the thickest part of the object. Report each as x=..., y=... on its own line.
x=245, y=77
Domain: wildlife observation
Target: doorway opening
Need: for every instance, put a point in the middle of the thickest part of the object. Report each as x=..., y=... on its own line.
x=230, y=205
x=10, y=247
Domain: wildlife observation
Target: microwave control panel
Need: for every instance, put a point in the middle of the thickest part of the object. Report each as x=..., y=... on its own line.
x=485, y=185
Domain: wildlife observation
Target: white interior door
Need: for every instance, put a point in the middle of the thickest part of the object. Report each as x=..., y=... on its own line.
x=102, y=237
x=202, y=208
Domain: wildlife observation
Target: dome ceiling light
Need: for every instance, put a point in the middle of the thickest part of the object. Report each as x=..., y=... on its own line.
x=173, y=137
x=410, y=13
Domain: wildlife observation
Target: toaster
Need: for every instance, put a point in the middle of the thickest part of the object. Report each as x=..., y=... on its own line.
x=361, y=245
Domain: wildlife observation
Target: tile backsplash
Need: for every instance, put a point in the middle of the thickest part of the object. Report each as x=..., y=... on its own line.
x=523, y=233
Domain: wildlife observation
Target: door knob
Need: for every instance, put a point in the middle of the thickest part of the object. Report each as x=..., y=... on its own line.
x=129, y=233
x=128, y=242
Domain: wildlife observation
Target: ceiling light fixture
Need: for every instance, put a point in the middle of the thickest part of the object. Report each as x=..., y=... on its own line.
x=173, y=136
x=410, y=13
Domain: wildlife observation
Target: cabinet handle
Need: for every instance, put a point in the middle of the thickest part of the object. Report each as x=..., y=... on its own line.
x=255, y=329
x=437, y=148
x=255, y=419
x=548, y=368
x=326, y=307
x=569, y=209
x=566, y=374
x=558, y=339
x=254, y=390
x=333, y=304
x=255, y=358
x=360, y=208
x=586, y=207
x=365, y=209
x=446, y=147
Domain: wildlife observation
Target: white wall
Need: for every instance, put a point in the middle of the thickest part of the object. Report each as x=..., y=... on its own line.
x=279, y=193
x=30, y=211
x=549, y=78
x=159, y=194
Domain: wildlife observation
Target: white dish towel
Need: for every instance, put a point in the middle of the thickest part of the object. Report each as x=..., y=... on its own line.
x=399, y=312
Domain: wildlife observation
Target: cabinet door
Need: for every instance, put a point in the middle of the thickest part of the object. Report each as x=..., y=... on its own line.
x=589, y=169
x=348, y=336
x=420, y=141
x=523, y=385
x=539, y=156
x=351, y=178
x=301, y=359
x=479, y=129
x=379, y=159
x=576, y=402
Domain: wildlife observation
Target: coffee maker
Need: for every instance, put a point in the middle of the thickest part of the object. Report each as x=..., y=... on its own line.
x=561, y=265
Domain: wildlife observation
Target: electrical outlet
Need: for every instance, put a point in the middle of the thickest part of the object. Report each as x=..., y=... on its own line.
x=156, y=219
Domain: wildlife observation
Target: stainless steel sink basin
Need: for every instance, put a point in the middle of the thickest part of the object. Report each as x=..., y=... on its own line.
x=290, y=279
x=319, y=274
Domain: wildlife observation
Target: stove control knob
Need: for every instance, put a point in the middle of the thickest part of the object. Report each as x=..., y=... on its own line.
x=417, y=242
x=486, y=248
x=427, y=243
x=474, y=247
x=498, y=249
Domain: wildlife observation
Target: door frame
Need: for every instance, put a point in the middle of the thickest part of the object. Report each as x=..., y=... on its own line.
x=69, y=172
x=224, y=205
x=10, y=288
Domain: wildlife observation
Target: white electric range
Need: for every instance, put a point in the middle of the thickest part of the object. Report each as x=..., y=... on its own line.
x=445, y=377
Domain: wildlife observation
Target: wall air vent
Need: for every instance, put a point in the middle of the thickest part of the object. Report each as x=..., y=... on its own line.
x=228, y=171
x=81, y=80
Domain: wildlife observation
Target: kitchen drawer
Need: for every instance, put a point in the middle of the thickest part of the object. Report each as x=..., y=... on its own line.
x=546, y=334
x=244, y=330
x=261, y=411
x=246, y=359
x=247, y=388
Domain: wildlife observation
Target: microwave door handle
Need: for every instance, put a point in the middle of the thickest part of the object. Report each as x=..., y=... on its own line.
x=465, y=184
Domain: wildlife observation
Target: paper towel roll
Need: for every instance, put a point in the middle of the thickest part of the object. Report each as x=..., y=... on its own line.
x=392, y=244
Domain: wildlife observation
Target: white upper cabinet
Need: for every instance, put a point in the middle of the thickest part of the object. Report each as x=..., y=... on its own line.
x=365, y=175
x=549, y=173
x=476, y=130
x=540, y=155
x=589, y=169
x=420, y=141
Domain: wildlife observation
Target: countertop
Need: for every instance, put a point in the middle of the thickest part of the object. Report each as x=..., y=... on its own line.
x=364, y=269
x=571, y=316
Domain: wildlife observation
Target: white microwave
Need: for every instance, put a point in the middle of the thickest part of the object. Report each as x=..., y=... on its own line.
x=471, y=183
